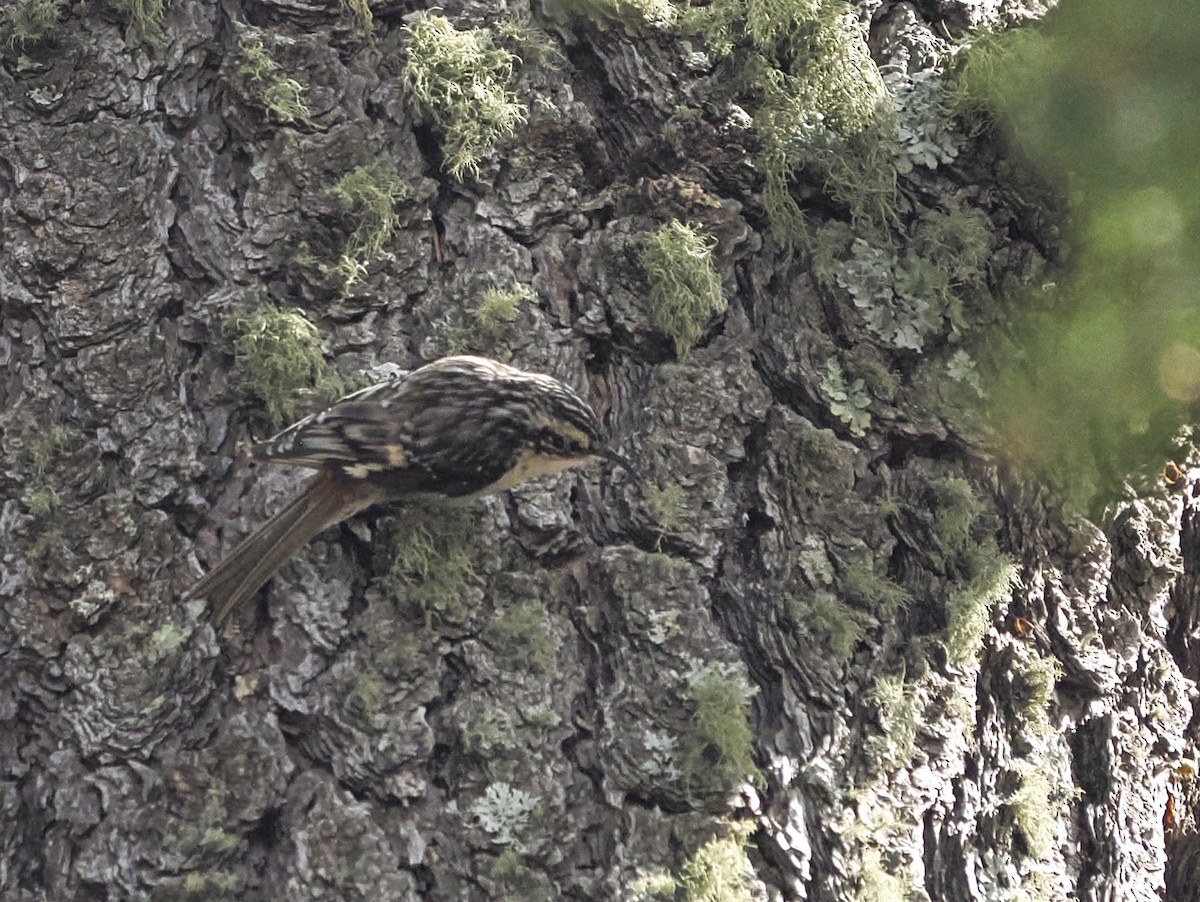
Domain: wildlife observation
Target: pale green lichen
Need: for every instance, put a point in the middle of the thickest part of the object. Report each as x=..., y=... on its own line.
x=279, y=94
x=278, y=357
x=520, y=636
x=360, y=12
x=825, y=618
x=30, y=21
x=369, y=195
x=459, y=81
x=433, y=564
x=717, y=748
x=145, y=16
x=823, y=105
x=685, y=290
x=898, y=707
x=719, y=871
x=503, y=811
x=848, y=399
x=491, y=321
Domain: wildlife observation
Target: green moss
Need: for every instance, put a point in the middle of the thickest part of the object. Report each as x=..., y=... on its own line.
x=492, y=320
x=433, y=564
x=1034, y=810
x=969, y=609
x=499, y=308
x=877, y=883
x=984, y=575
x=823, y=107
x=30, y=21
x=492, y=732
x=1034, y=691
x=211, y=885
x=42, y=502
x=369, y=195
x=360, y=12
x=899, y=709
x=720, y=870
x=364, y=699
x=685, y=290
x=47, y=448
x=656, y=886
x=990, y=71
x=145, y=16
x=519, y=634
x=878, y=594
x=278, y=357
x=533, y=44
x=280, y=95
x=48, y=542
x=825, y=618
x=667, y=506
x=459, y=81
x=717, y=749
x=956, y=507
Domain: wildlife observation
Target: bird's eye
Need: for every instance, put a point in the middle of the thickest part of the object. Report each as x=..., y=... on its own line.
x=554, y=442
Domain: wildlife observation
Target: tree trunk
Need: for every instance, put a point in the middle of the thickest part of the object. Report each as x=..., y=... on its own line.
x=824, y=647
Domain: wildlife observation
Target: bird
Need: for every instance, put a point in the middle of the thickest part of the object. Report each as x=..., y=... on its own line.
x=460, y=427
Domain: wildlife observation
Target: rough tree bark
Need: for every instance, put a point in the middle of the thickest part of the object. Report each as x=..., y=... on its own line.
x=951, y=692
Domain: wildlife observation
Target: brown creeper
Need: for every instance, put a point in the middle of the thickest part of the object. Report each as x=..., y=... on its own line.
x=459, y=427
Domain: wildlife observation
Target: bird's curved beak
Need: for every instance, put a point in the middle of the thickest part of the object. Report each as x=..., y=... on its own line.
x=610, y=455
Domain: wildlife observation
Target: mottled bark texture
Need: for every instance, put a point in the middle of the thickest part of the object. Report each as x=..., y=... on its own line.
x=506, y=700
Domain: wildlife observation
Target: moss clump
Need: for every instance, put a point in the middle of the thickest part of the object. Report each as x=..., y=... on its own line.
x=720, y=870
x=989, y=73
x=369, y=195
x=495, y=730
x=717, y=749
x=145, y=16
x=42, y=502
x=899, y=710
x=823, y=104
x=685, y=290
x=278, y=357
x=433, y=564
x=877, y=884
x=668, y=507
x=47, y=449
x=491, y=322
x=656, y=886
x=365, y=698
x=459, y=81
x=499, y=308
x=360, y=12
x=1034, y=811
x=519, y=635
x=281, y=96
x=987, y=575
x=30, y=21
x=878, y=594
x=1034, y=691
x=826, y=618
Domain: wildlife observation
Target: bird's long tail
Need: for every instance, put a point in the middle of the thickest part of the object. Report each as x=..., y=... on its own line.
x=326, y=499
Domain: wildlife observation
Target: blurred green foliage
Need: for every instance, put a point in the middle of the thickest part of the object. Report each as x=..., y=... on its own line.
x=1104, y=99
